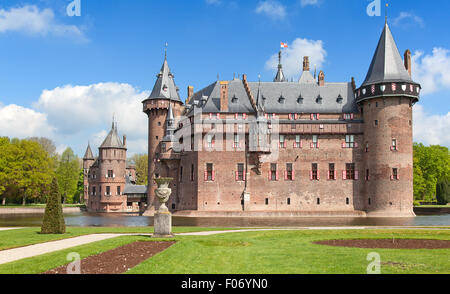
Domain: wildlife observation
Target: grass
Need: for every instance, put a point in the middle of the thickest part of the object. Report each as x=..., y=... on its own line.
x=433, y=206
x=36, y=205
x=29, y=236
x=269, y=252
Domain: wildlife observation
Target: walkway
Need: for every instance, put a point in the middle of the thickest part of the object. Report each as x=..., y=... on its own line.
x=15, y=254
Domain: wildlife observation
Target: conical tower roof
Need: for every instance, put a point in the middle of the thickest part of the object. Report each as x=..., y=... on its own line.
x=165, y=87
x=280, y=75
x=88, y=154
x=112, y=140
x=387, y=64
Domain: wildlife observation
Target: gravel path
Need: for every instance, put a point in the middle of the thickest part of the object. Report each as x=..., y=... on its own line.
x=7, y=229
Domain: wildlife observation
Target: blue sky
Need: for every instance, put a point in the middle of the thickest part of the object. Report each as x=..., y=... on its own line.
x=63, y=77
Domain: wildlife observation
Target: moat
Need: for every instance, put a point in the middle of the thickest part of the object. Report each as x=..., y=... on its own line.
x=123, y=220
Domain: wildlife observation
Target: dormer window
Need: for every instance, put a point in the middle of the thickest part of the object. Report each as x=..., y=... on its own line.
x=281, y=100
x=319, y=100
x=339, y=99
x=300, y=99
x=165, y=88
x=234, y=99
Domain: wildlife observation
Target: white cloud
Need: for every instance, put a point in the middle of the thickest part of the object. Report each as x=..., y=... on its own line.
x=432, y=71
x=74, y=108
x=31, y=20
x=309, y=2
x=272, y=9
x=408, y=19
x=21, y=122
x=431, y=129
x=292, y=58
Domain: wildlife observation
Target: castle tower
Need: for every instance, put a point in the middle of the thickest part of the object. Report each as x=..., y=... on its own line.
x=112, y=169
x=386, y=98
x=88, y=161
x=164, y=95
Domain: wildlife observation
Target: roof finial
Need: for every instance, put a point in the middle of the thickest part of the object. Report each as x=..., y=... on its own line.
x=386, y=13
x=279, y=58
x=165, y=50
x=113, y=119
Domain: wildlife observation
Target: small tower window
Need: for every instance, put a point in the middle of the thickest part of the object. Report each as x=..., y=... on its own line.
x=376, y=122
x=339, y=99
x=319, y=100
x=300, y=100
x=281, y=100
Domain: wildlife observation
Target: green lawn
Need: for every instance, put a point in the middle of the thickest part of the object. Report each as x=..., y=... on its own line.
x=29, y=236
x=275, y=252
x=36, y=205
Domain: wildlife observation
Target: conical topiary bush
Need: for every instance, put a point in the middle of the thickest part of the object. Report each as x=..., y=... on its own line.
x=53, y=218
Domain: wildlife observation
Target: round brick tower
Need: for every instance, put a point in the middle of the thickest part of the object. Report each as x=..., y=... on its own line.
x=386, y=99
x=156, y=106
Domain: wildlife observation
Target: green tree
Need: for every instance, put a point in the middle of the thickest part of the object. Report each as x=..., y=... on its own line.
x=141, y=163
x=53, y=222
x=4, y=172
x=79, y=194
x=443, y=192
x=67, y=174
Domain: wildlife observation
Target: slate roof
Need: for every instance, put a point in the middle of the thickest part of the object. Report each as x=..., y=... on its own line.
x=387, y=64
x=88, y=154
x=165, y=87
x=112, y=140
x=134, y=189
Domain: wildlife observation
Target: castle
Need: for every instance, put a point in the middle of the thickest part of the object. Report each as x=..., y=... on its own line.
x=304, y=148
x=109, y=181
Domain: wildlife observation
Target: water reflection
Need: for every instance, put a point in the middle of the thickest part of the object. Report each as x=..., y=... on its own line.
x=122, y=220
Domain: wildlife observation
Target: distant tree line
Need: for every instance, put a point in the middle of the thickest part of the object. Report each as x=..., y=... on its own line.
x=431, y=173
x=28, y=166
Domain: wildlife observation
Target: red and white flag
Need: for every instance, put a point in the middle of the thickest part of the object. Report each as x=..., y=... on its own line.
x=284, y=45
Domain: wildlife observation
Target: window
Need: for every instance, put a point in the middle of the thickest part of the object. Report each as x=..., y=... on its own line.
x=314, y=172
x=289, y=201
x=370, y=201
x=347, y=201
x=209, y=174
x=298, y=142
x=192, y=173
x=350, y=141
x=395, y=175
x=367, y=147
x=110, y=174
x=289, y=176
x=240, y=176
x=108, y=191
x=315, y=116
x=163, y=148
x=394, y=145
x=173, y=206
x=349, y=171
x=348, y=116
x=181, y=174
x=93, y=191
x=118, y=190
x=318, y=201
x=209, y=141
x=282, y=143
x=273, y=173
x=236, y=141
x=367, y=175
x=376, y=122
x=315, y=142
x=267, y=201
x=331, y=172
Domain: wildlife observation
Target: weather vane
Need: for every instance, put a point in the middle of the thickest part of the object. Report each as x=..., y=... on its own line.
x=165, y=49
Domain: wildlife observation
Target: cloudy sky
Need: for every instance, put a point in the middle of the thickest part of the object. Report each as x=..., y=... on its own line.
x=64, y=77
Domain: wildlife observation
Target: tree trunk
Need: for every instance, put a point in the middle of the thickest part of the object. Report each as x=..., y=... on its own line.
x=24, y=200
x=4, y=201
x=64, y=198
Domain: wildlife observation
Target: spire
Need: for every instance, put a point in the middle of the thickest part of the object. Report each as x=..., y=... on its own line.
x=170, y=125
x=165, y=87
x=280, y=75
x=387, y=65
x=112, y=140
x=88, y=154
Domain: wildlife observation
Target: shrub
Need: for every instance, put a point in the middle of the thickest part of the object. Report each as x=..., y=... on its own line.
x=416, y=203
x=443, y=192
x=53, y=222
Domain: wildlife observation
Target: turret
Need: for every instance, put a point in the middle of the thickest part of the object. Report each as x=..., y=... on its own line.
x=280, y=75
x=88, y=161
x=386, y=98
x=164, y=96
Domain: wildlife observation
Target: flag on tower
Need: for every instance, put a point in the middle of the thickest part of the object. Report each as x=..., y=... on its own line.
x=284, y=45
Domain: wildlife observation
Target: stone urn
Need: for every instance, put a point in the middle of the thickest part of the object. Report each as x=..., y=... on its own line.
x=163, y=192
x=162, y=217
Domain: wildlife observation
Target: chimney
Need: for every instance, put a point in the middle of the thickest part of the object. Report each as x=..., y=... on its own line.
x=124, y=141
x=306, y=63
x=190, y=93
x=224, y=96
x=244, y=78
x=407, y=61
x=353, y=84
x=321, y=79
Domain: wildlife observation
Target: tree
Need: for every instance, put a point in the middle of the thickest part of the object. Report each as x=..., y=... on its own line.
x=141, y=163
x=4, y=172
x=49, y=146
x=53, y=222
x=67, y=174
x=79, y=194
x=443, y=192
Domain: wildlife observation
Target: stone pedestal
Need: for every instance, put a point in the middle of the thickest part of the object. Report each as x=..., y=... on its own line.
x=162, y=217
x=163, y=225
